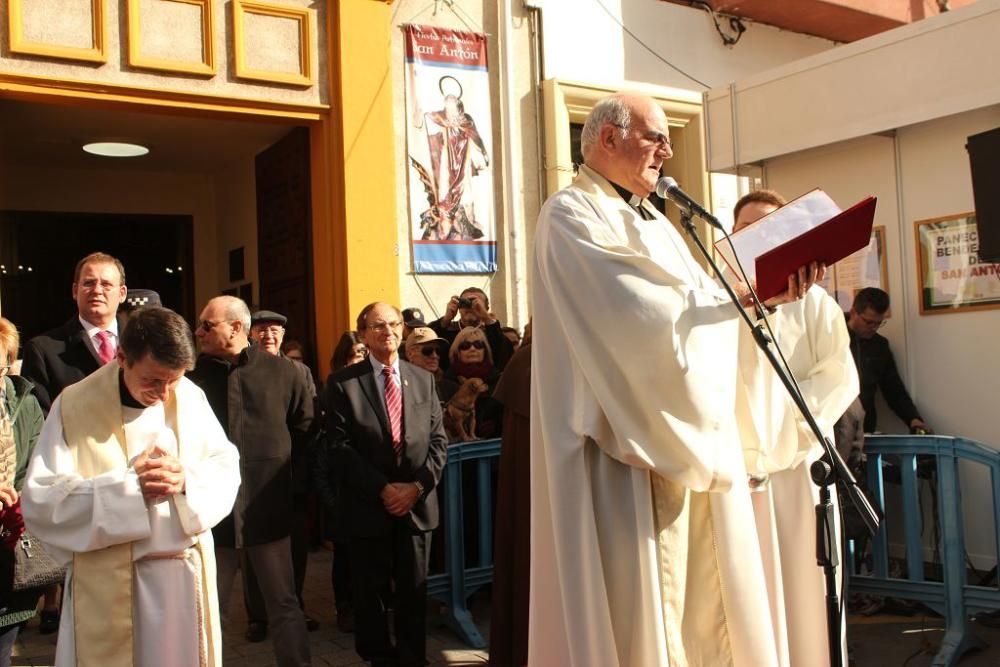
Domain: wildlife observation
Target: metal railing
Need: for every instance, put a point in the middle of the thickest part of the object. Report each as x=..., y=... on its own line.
x=953, y=597
x=460, y=580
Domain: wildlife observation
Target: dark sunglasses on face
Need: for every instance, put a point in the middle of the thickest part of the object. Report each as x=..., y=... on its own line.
x=429, y=351
x=466, y=344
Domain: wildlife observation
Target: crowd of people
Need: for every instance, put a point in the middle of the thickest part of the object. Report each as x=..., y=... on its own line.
x=155, y=472
x=660, y=506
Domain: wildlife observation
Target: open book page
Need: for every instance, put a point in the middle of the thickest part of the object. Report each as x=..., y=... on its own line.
x=786, y=223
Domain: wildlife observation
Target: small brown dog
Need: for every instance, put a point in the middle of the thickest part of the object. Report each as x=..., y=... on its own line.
x=460, y=411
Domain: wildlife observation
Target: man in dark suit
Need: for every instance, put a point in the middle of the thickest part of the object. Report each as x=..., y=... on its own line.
x=388, y=448
x=67, y=354
x=71, y=352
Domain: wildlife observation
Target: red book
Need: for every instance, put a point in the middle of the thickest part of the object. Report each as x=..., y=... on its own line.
x=811, y=228
x=828, y=243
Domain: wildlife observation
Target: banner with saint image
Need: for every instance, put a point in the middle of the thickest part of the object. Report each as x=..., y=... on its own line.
x=449, y=153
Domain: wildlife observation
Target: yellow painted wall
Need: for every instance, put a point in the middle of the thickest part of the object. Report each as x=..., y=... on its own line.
x=355, y=241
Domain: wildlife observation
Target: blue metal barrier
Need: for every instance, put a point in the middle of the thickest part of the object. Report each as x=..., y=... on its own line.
x=953, y=597
x=459, y=582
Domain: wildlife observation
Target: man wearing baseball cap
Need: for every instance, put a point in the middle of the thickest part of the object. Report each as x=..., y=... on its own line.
x=425, y=348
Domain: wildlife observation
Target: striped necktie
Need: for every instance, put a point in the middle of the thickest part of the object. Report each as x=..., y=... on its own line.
x=394, y=406
x=105, y=351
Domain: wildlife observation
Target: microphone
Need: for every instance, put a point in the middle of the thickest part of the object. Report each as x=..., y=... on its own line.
x=667, y=188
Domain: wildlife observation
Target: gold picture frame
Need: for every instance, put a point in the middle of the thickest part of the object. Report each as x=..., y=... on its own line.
x=951, y=278
x=204, y=68
x=18, y=44
x=307, y=75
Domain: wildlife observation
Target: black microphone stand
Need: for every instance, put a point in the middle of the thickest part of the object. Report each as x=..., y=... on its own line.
x=823, y=472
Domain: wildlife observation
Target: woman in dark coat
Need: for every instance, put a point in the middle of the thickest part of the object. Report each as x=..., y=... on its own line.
x=511, y=551
x=470, y=356
x=21, y=421
x=350, y=350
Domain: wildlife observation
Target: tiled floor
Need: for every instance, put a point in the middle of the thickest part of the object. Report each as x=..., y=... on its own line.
x=876, y=641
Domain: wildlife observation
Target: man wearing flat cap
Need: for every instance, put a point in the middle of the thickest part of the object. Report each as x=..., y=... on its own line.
x=266, y=411
x=267, y=329
x=424, y=348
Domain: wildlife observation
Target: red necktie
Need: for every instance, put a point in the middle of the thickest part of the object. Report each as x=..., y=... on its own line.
x=105, y=351
x=394, y=406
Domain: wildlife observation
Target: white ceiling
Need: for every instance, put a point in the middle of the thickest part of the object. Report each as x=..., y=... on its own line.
x=51, y=135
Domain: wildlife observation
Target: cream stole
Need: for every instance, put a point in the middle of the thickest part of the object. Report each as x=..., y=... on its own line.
x=102, y=579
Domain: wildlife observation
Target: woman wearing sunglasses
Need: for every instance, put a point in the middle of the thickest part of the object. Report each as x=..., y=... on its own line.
x=471, y=357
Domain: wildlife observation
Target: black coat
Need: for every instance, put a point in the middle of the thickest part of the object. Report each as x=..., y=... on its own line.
x=361, y=451
x=264, y=406
x=877, y=370
x=56, y=359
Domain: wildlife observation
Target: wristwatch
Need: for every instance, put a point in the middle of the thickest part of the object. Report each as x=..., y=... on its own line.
x=420, y=488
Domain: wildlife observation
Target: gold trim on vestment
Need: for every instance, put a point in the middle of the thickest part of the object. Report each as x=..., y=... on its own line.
x=102, y=579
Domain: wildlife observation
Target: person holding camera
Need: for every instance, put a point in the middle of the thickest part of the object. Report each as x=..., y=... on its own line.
x=472, y=307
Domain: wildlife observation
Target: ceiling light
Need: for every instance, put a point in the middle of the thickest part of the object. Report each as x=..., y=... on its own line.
x=115, y=149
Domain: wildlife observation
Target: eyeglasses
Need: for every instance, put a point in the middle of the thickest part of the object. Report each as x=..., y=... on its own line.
x=91, y=285
x=272, y=330
x=382, y=327
x=466, y=344
x=208, y=325
x=429, y=351
x=662, y=140
x=878, y=324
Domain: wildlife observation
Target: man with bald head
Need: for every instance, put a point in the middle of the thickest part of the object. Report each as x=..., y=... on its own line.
x=388, y=444
x=264, y=406
x=643, y=543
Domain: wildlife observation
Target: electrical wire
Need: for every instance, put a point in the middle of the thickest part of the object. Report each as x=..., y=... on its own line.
x=648, y=47
x=735, y=23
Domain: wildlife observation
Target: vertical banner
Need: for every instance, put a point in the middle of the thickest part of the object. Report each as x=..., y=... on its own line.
x=452, y=228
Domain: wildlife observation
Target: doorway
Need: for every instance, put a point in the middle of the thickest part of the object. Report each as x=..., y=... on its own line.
x=39, y=251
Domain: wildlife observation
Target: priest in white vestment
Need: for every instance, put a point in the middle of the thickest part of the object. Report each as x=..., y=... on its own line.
x=780, y=447
x=130, y=473
x=643, y=548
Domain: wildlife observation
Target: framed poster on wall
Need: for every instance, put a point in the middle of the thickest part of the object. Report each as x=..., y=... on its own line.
x=951, y=277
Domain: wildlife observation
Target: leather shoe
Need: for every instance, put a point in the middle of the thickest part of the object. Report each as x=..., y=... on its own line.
x=312, y=625
x=50, y=622
x=345, y=623
x=256, y=632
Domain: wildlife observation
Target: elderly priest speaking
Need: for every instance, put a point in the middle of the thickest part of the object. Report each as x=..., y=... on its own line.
x=130, y=473
x=644, y=551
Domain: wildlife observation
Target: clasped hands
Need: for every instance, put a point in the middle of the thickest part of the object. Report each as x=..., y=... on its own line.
x=399, y=497
x=160, y=474
x=798, y=284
